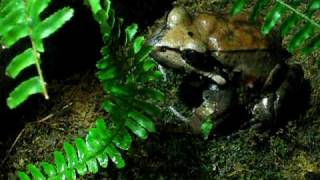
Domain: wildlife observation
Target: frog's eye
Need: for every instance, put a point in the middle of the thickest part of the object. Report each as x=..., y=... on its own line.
x=163, y=49
x=190, y=34
x=177, y=16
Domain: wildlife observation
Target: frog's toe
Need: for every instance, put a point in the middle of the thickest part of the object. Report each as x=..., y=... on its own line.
x=264, y=110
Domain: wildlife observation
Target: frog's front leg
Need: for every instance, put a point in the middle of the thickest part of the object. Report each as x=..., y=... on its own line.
x=282, y=104
x=218, y=101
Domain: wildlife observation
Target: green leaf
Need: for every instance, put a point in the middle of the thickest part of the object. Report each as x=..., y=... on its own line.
x=71, y=154
x=103, y=159
x=15, y=16
x=92, y=165
x=95, y=6
x=60, y=161
x=131, y=31
x=257, y=9
x=123, y=140
x=20, y=62
x=206, y=128
x=8, y=7
x=103, y=132
x=154, y=75
x=149, y=64
x=108, y=106
x=273, y=18
x=151, y=109
x=15, y=34
x=288, y=24
x=115, y=156
x=94, y=141
x=48, y=168
x=82, y=155
x=238, y=6
x=107, y=74
x=153, y=93
x=313, y=6
x=36, y=173
x=312, y=46
x=137, y=129
x=118, y=90
x=71, y=174
x=299, y=38
x=142, y=120
x=107, y=31
x=137, y=44
x=38, y=44
x=107, y=8
x=24, y=90
x=105, y=61
x=36, y=7
x=23, y=176
x=52, y=23
x=101, y=124
x=144, y=53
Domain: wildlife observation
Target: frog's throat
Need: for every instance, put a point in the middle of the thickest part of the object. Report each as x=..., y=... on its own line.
x=215, y=77
x=211, y=75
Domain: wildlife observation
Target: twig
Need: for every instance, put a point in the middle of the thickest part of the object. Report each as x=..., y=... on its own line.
x=23, y=130
x=12, y=146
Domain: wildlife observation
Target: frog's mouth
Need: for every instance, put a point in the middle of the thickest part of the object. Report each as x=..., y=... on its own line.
x=191, y=61
x=170, y=57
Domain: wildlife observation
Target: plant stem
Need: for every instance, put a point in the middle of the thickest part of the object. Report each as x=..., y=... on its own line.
x=299, y=13
x=36, y=55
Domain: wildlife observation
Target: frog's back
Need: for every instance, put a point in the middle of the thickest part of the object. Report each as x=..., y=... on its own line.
x=238, y=43
x=230, y=33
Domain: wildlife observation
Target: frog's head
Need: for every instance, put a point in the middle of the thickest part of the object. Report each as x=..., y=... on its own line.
x=176, y=36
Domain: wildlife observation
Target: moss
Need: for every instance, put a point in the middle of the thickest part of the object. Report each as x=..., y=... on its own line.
x=289, y=152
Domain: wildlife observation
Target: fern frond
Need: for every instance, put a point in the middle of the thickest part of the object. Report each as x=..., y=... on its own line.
x=306, y=39
x=85, y=156
x=124, y=70
x=21, y=19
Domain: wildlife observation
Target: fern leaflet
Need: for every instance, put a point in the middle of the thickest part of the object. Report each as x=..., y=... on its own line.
x=123, y=71
x=307, y=38
x=20, y=19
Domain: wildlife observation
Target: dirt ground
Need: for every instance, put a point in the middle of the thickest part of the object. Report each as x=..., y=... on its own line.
x=291, y=152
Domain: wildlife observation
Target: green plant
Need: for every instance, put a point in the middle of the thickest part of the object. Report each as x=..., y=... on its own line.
x=124, y=70
x=20, y=19
x=307, y=38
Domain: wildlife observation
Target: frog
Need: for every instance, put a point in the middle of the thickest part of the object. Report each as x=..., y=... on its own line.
x=244, y=67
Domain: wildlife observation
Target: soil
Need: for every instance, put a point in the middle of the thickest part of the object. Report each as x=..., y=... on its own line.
x=40, y=127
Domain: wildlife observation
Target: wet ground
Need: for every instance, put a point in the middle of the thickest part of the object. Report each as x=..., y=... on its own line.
x=39, y=127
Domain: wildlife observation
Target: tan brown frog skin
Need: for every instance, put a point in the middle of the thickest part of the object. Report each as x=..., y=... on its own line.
x=232, y=41
x=235, y=42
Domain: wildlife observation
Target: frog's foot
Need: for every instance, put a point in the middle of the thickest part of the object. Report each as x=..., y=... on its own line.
x=264, y=110
x=217, y=103
x=278, y=107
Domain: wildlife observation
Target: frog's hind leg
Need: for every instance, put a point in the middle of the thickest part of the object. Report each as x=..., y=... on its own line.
x=292, y=95
x=277, y=108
